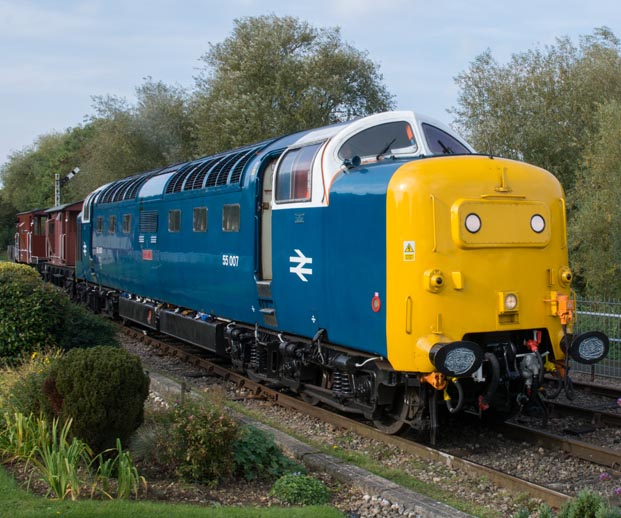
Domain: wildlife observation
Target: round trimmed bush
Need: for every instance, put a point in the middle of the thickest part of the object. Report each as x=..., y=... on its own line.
x=103, y=389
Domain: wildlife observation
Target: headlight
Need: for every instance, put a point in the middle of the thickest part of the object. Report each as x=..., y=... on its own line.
x=508, y=302
x=590, y=347
x=537, y=223
x=511, y=302
x=473, y=223
x=456, y=358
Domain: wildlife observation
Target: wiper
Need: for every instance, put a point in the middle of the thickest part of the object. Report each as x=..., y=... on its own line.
x=445, y=150
x=383, y=151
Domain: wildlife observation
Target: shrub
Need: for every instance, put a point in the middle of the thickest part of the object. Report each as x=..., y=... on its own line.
x=203, y=435
x=84, y=329
x=22, y=386
x=154, y=444
x=586, y=505
x=35, y=315
x=299, y=489
x=31, y=312
x=103, y=389
x=257, y=456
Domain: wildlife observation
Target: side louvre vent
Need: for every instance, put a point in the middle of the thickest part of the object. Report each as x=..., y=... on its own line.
x=148, y=221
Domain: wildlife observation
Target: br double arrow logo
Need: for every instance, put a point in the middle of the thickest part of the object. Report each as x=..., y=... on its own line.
x=301, y=261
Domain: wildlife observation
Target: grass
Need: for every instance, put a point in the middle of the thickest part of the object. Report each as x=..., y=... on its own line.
x=17, y=503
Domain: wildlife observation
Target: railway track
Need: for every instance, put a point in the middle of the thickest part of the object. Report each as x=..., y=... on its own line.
x=501, y=479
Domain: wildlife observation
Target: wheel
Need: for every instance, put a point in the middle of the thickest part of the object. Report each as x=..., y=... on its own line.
x=393, y=421
x=310, y=399
x=307, y=398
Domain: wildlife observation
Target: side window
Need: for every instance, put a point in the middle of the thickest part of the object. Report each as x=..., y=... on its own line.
x=39, y=226
x=127, y=223
x=100, y=225
x=200, y=219
x=441, y=143
x=293, y=177
x=112, y=225
x=378, y=140
x=86, y=209
x=230, y=218
x=174, y=220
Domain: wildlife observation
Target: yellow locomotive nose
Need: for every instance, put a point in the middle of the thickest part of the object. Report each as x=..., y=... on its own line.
x=489, y=236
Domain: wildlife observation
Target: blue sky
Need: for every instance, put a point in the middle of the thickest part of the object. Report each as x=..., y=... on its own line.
x=56, y=54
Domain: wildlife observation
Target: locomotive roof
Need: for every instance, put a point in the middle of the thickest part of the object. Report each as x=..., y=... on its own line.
x=227, y=168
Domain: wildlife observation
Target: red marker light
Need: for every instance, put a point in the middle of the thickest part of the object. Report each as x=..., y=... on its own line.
x=376, y=303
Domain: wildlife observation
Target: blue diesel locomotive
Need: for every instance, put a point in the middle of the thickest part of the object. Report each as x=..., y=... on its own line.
x=378, y=266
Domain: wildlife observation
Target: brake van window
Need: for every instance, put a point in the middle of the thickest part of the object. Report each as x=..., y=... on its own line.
x=293, y=178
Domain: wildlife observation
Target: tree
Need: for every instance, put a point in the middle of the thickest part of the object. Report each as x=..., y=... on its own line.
x=133, y=138
x=7, y=222
x=28, y=176
x=595, y=238
x=540, y=106
x=278, y=75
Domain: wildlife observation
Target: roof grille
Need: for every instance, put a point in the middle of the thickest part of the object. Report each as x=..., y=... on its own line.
x=212, y=171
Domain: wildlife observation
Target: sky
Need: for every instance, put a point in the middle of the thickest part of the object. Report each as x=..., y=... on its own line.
x=56, y=55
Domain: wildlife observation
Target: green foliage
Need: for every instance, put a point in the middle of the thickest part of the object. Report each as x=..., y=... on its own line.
x=31, y=312
x=28, y=176
x=278, y=75
x=257, y=456
x=586, y=505
x=299, y=489
x=7, y=221
x=202, y=435
x=18, y=436
x=35, y=315
x=154, y=443
x=58, y=460
x=103, y=390
x=22, y=387
x=65, y=465
x=28, y=395
x=84, y=329
x=595, y=238
x=129, y=139
x=121, y=465
x=539, y=106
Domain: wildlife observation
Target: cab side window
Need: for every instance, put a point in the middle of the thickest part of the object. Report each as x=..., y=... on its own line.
x=378, y=140
x=293, y=177
x=441, y=143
